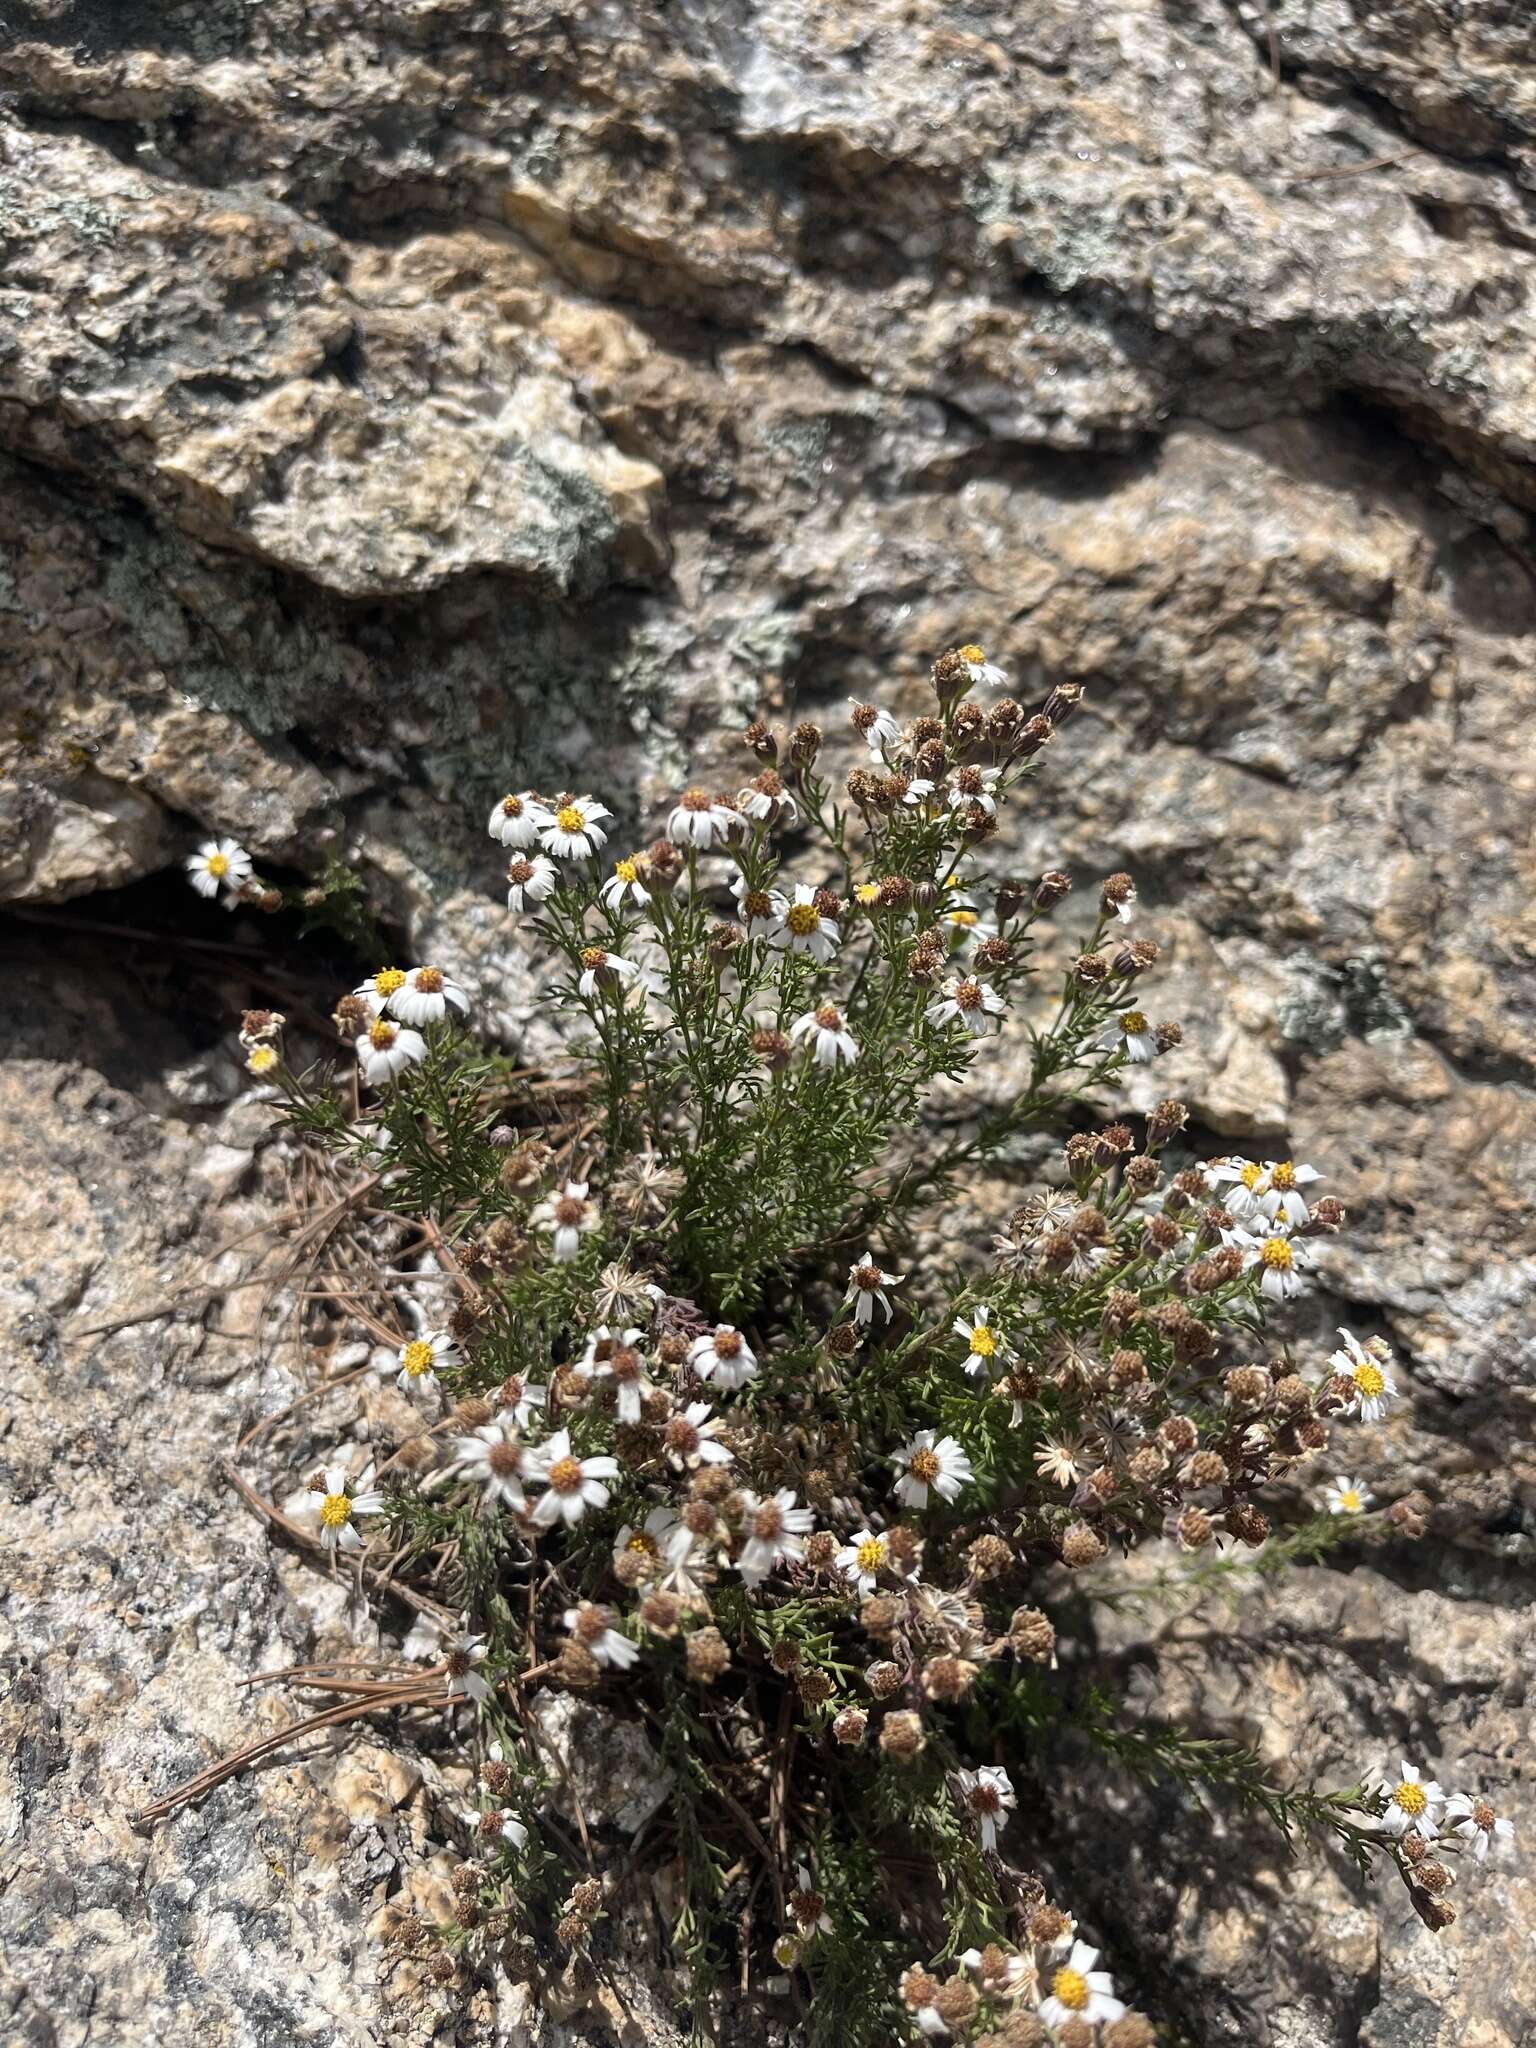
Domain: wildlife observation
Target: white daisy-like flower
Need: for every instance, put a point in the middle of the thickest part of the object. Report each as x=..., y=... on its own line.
x=928, y=1465
x=778, y=1530
x=386, y=1049
x=803, y=929
x=653, y=1539
x=604, y=970
x=532, y=878
x=425, y=996
x=966, y=925
x=417, y=1361
x=918, y=792
x=989, y=1796
x=592, y=1626
x=1280, y=1194
x=1281, y=1260
x=690, y=1438
x=829, y=1038
x=866, y=1289
x=617, y=1356
x=1368, y=1368
x=1122, y=903
x=574, y=1484
x=698, y=819
x=766, y=797
x=986, y=1345
x=378, y=988
x=462, y=1680
x=219, y=864
x=1413, y=1802
x=974, y=788
x=1347, y=1497
x=1061, y=1462
x=1473, y=1818
x=877, y=728
x=761, y=911
x=807, y=1906
x=518, y=820
x=519, y=1397
x=724, y=1356
x=968, y=1001
x=1133, y=1034
x=1239, y=1182
x=575, y=830
x=496, y=1457
x=569, y=1215
x=500, y=1824
x=984, y=674
x=339, y=1506
x=624, y=886
x=862, y=1561
x=1080, y=1992
x=1000, y=1975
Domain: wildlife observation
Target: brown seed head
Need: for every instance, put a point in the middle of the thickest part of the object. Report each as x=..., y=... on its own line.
x=1031, y=1635
x=1081, y=1546
x=707, y=1655
x=902, y=1737
x=988, y=1556
x=805, y=744
x=883, y=1679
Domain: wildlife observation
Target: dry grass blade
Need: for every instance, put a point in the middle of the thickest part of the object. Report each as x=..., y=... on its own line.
x=419, y=1692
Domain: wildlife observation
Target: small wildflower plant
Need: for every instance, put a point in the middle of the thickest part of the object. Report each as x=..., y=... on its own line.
x=724, y=1431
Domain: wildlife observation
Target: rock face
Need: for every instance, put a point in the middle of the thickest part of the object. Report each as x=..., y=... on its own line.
x=396, y=401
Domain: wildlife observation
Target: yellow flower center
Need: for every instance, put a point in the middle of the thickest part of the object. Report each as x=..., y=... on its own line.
x=565, y=1475
x=512, y=806
x=1410, y=1798
x=1277, y=1255
x=642, y=1543
x=570, y=819
x=417, y=1357
x=218, y=865
x=802, y=919
x=1251, y=1176
x=593, y=957
x=1133, y=1023
x=429, y=980
x=1283, y=1175
x=868, y=892
x=1070, y=1988
x=871, y=1554
x=335, y=1510
x=382, y=1035
x=626, y=871
x=983, y=1342
x=387, y=980
x=1369, y=1380
x=1350, y=1501
x=966, y=918
x=924, y=1466
x=262, y=1060
x=828, y=1018
x=971, y=652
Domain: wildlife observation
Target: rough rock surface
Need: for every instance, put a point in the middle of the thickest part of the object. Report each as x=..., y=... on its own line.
x=397, y=400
